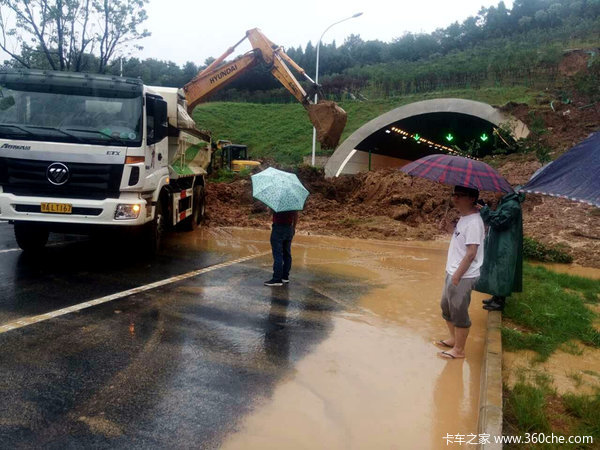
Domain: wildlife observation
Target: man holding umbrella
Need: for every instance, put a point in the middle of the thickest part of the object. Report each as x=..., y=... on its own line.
x=465, y=257
x=282, y=233
x=465, y=254
x=283, y=193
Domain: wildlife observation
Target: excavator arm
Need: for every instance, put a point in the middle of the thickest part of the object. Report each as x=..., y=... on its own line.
x=327, y=117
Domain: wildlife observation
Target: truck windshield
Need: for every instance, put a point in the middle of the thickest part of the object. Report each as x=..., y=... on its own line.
x=47, y=113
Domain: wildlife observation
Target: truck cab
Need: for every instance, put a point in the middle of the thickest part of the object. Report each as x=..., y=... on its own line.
x=82, y=152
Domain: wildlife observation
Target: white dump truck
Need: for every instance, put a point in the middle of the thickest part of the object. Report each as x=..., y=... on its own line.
x=80, y=153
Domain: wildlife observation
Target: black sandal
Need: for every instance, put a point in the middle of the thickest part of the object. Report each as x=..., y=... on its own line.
x=443, y=344
x=448, y=354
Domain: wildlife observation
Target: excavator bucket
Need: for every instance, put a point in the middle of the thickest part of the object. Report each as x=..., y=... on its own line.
x=329, y=120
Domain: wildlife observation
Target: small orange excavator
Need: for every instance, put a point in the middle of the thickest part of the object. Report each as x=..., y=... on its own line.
x=327, y=117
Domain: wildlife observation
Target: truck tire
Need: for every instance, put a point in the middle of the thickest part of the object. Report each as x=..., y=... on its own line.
x=198, y=209
x=31, y=237
x=154, y=231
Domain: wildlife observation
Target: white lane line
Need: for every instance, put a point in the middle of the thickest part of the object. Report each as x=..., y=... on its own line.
x=54, y=244
x=26, y=321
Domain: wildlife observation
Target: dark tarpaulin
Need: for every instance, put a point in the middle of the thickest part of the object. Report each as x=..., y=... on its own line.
x=575, y=175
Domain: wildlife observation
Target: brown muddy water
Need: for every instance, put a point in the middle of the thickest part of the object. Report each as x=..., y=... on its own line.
x=376, y=380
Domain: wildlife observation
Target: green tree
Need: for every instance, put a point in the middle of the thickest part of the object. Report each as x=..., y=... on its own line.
x=63, y=34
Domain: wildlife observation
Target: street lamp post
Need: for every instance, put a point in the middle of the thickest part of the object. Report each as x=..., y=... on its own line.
x=314, y=140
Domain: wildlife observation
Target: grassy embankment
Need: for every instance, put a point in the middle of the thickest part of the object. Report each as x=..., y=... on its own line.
x=284, y=133
x=554, y=312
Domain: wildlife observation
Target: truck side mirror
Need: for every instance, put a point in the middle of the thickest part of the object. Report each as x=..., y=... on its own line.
x=157, y=119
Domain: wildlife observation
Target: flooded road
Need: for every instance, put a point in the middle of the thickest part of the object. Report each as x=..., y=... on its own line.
x=375, y=382
x=340, y=358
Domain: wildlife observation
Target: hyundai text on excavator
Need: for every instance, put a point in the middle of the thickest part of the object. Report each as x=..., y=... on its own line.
x=328, y=118
x=81, y=153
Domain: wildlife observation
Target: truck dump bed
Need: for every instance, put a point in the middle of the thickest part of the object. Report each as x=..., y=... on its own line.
x=189, y=147
x=188, y=155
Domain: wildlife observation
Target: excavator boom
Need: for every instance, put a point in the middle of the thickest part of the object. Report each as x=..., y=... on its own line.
x=327, y=117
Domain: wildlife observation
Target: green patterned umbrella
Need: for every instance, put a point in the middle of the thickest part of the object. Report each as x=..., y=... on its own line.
x=280, y=191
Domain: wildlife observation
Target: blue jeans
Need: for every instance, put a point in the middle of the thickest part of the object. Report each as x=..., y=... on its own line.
x=281, y=244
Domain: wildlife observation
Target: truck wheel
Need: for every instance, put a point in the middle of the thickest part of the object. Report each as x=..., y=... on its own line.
x=155, y=230
x=192, y=222
x=31, y=236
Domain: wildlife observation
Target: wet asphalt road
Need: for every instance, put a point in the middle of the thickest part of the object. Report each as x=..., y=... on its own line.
x=178, y=366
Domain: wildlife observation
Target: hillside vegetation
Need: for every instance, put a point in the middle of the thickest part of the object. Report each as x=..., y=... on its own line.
x=496, y=46
x=284, y=133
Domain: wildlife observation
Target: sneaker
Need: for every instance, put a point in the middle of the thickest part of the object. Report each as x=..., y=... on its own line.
x=285, y=280
x=273, y=282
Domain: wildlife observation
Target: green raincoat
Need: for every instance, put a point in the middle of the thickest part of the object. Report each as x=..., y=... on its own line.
x=502, y=269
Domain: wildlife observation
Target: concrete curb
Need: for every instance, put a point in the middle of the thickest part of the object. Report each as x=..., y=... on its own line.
x=490, y=394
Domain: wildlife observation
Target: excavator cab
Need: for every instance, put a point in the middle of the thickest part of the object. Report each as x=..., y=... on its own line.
x=234, y=157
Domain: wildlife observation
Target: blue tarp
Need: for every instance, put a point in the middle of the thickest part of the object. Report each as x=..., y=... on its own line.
x=575, y=175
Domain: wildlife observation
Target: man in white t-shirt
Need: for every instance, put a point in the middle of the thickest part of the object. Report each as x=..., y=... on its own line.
x=465, y=257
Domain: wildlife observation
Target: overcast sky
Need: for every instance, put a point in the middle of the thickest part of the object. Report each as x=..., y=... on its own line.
x=193, y=30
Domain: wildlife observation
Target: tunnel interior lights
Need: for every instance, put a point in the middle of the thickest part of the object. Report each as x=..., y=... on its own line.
x=417, y=137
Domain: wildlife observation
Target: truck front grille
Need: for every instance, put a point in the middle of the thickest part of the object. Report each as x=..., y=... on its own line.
x=90, y=181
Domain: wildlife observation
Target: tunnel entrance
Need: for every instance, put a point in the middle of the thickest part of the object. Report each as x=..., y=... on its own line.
x=452, y=126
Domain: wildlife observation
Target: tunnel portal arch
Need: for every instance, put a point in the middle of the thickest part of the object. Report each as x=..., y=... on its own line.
x=355, y=153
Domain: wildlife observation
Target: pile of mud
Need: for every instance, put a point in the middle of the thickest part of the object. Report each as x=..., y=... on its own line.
x=567, y=120
x=382, y=204
x=387, y=204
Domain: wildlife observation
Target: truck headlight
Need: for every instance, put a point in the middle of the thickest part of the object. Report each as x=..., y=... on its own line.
x=125, y=212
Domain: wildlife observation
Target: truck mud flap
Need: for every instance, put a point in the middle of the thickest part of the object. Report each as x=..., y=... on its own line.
x=183, y=202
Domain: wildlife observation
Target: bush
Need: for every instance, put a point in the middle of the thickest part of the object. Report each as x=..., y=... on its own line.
x=539, y=251
x=588, y=83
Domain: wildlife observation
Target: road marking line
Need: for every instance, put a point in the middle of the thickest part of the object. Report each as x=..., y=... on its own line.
x=8, y=250
x=26, y=321
x=54, y=244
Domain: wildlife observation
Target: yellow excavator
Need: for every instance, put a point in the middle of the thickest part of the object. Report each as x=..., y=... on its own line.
x=233, y=157
x=327, y=117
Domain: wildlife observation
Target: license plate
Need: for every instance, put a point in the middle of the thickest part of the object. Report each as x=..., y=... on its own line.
x=57, y=208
